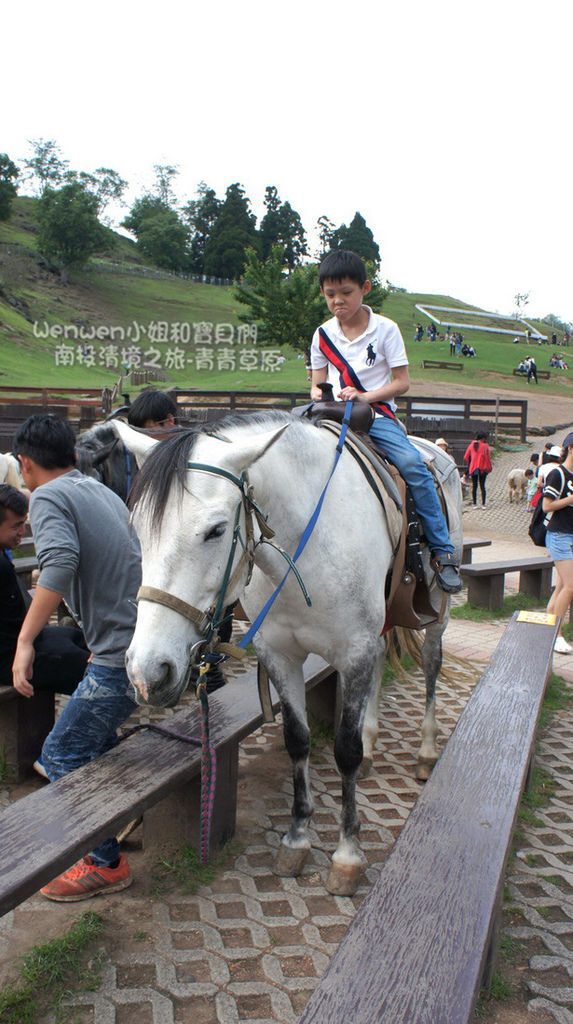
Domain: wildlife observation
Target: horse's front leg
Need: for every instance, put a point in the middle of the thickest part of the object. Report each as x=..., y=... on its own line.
x=431, y=664
x=287, y=677
x=358, y=685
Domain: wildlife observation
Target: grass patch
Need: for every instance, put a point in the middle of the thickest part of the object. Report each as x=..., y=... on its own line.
x=52, y=972
x=511, y=604
x=500, y=990
x=183, y=870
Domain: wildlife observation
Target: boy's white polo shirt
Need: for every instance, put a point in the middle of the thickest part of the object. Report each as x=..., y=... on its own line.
x=381, y=339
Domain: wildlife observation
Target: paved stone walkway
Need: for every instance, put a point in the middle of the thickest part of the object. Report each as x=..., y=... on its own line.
x=252, y=946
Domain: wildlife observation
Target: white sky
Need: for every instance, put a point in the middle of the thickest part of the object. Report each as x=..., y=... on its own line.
x=446, y=123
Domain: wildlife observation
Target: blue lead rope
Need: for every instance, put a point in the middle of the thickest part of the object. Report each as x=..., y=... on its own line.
x=306, y=533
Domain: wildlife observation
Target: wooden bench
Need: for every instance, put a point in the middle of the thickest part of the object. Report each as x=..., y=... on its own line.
x=25, y=567
x=24, y=724
x=147, y=774
x=425, y=936
x=544, y=374
x=437, y=364
x=469, y=545
x=486, y=580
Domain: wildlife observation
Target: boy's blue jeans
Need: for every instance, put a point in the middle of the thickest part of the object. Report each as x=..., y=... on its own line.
x=86, y=728
x=394, y=443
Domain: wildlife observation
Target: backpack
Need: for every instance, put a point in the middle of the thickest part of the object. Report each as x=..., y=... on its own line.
x=538, y=526
x=539, y=520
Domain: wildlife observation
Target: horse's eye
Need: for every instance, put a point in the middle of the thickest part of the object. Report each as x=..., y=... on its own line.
x=215, y=531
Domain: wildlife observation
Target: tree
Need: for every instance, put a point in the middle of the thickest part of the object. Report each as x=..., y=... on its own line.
x=326, y=232
x=105, y=184
x=521, y=300
x=281, y=224
x=70, y=231
x=46, y=165
x=201, y=214
x=161, y=235
x=232, y=234
x=8, y=190
x=287, y=307
x=165, y=175
x=358, y=238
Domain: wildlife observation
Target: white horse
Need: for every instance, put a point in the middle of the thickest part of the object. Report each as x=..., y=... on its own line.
x=188, y=500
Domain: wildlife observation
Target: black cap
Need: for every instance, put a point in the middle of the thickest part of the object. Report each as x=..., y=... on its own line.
x=568, y=442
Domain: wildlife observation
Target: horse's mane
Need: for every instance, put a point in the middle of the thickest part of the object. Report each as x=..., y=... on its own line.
x=166, y=465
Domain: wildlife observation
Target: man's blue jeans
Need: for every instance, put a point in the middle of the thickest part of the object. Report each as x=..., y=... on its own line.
x=87, y=728
x=394, y=443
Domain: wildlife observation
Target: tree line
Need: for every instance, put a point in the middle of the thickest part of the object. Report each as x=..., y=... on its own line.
x=208, y=235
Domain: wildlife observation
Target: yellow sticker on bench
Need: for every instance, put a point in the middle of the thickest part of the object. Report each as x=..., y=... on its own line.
x=542, y=618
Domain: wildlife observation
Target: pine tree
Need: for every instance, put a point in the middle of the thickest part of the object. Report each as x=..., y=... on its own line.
x=358, y=238
x=232, y=234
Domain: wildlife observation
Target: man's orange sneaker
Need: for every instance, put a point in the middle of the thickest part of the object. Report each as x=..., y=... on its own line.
x=87, y=879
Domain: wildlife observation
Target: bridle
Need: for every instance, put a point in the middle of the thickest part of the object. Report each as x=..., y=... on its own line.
x=209, y=620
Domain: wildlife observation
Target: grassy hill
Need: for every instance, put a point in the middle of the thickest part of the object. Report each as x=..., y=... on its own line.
x=118, y=293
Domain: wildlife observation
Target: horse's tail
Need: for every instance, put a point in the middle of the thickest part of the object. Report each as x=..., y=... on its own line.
x=405, y=645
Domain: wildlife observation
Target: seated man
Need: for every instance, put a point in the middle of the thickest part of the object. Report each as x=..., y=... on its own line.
x=61, y=654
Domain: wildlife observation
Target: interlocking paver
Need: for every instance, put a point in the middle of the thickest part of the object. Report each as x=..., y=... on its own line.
x=252, y=946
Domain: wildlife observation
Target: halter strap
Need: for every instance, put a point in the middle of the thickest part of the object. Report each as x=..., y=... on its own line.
x=175, y=603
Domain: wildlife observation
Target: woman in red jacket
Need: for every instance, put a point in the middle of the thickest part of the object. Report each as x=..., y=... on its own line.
x=478, y=457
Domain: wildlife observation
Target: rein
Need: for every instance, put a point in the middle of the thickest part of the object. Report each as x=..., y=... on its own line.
x=208, y=621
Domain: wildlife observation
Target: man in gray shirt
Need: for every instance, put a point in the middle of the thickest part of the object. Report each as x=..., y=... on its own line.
x=89, y=556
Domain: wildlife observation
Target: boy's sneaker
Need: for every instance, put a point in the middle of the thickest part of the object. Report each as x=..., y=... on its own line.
x=561, y=646
x=39, y=768
x=447, y=573
x=86, y=879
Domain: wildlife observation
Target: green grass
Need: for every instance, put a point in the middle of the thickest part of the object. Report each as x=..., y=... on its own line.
x=183, y=871
x=53, y=971
x=108, y=293
x=514, y=603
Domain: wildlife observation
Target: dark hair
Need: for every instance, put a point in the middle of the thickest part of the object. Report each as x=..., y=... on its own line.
x=151, y=405
x=529, y=472
x=13, y=500
x=534, y=457
x=342, y=263
x=48, y=441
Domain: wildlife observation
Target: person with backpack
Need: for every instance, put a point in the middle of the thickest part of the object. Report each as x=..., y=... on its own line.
x=558, y=501
x=478, y=457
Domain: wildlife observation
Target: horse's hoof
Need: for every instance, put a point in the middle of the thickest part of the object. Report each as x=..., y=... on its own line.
x=290, y=861
x=424, y=768
x=365, y=767
x=343, y=879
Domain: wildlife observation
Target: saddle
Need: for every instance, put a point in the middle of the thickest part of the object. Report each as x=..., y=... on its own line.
x=411, y=600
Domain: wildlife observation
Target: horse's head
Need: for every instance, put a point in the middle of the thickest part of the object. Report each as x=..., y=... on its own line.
x=186, y=518
x=102, y=454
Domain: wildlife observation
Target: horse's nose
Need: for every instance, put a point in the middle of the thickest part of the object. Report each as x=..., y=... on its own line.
x=151, y=678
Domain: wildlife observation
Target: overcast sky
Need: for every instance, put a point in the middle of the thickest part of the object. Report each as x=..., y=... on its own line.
x=447, y=124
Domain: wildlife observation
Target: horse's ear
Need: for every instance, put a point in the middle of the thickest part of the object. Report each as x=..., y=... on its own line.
x=138, y=443
x=243, y=453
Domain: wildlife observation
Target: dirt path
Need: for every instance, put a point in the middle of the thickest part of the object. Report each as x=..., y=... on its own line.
x=541, y=410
